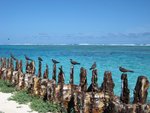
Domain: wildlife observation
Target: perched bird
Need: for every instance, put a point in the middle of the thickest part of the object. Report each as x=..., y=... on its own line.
x=125, y=70
x=74, y=62
x=12, y=56
x=55, y=61
x=40, y=59
x=61, y=70
x=27, y=58
x=93, y=66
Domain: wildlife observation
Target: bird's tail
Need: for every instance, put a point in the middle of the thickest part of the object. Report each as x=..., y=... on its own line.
x=78, y=63
x=131, y=71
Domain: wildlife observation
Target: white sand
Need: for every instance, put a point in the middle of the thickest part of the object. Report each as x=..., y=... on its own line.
x=9, y=106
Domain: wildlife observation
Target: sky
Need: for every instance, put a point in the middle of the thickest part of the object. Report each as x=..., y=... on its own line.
x=74, y=22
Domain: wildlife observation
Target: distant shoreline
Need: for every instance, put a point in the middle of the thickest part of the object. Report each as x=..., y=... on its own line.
x=74, y=44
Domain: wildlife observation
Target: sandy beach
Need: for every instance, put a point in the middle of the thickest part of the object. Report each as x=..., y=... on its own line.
x=9, y=106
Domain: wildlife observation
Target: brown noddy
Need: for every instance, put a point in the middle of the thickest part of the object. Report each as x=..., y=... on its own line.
x=74, y=62
x=125, y=70
x=93, y=66
x=40, y=59
x=27, y=58
x=55, y=61
x=12, y=56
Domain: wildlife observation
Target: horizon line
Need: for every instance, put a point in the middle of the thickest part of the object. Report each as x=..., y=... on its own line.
x=83, y=44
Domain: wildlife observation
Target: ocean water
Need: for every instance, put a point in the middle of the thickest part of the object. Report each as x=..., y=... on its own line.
x=108, y=58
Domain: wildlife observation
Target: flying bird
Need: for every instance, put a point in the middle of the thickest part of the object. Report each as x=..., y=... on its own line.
x=12, y=56
x=125, y=70
x=27, y=58
x=93, y=66
x=74, y=62
x=40, y=59
x=55, y=61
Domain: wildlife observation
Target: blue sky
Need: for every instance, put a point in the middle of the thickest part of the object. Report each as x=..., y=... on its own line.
x=74, y=21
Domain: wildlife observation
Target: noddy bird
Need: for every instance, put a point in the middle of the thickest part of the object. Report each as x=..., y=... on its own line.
x=55, y=61
x=93, y=66
x=40, y=59
x=60, y=68
x=74, y=62
x=12, y=56
x=27, y=58
x=125, y=70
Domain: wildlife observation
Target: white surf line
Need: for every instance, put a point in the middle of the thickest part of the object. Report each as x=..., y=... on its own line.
x=9, y=106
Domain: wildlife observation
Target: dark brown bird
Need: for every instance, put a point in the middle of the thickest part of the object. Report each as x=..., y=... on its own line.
x=93, y=66
x=61, y=70
x=12, y=56
x=40, y=59
x=27, y=58
x=74, y=62
x=55, y=61
x=125, y=70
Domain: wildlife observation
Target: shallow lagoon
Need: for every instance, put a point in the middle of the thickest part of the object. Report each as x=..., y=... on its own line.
x=109, y=58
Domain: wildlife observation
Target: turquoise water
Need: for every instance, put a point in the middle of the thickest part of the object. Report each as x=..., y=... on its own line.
x=110, y=58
